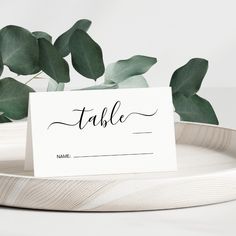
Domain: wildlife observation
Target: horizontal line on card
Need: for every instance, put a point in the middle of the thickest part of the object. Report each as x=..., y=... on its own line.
x=116, y=154
x=142, y=132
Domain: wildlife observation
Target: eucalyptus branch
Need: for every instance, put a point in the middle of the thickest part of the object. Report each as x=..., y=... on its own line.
x=25, y=52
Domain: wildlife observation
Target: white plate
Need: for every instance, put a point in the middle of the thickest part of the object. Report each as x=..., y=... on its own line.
x=206, y=174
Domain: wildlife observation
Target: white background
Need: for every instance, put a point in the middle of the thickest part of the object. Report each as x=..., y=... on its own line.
x=173, y=31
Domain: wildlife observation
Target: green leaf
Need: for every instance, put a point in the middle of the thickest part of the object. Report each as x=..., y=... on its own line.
x=62, y=42
x=19, y=50
x=194, y=109
x=124, y=69
x=14, y=98
x=188, y=78
x=52, y=63
x=41, y=34
x=4, y=119
x=1, y=65
x=137, y=81
x=86, y=55
x=54, y=86
x=100, y=86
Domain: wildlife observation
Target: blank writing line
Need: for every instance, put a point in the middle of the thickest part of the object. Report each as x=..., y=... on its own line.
x=122, y=154
x=144, y=132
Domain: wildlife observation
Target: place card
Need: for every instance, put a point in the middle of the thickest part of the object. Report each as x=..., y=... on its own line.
x=92, y=132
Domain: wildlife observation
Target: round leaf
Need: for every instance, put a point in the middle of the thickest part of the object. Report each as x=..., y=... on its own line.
x=41, y=34
x=52, y=63
x=188, y=78
x=194, y=109
x=62, y=42
x=124, y=69
x=19, y=50
x=14, y=98
x=86, y=54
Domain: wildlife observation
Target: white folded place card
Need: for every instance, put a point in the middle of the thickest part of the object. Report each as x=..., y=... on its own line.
x=100, y=132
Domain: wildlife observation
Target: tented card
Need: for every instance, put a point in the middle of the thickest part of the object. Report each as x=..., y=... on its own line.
x=100, y=132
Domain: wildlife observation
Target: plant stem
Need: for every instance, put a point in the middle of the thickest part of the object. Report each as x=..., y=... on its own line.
x=35, y=76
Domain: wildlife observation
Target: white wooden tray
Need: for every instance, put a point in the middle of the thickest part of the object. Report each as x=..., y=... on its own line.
x=206, y=175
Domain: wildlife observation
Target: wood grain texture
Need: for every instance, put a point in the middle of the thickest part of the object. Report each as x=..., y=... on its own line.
x=206, y=174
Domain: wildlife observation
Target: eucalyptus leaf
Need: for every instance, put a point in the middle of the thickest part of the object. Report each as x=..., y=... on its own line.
x=4, y=119
x=41, y=34
x=52, y=63
x=124, y=69
x=54, y=86
x=194, y=109
x=86, y=54
x=62, y=42
x=14, y=98
x=188, y=78
x=19, y=50
x=1, y=65
x=137, y=81
x=101, y=86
